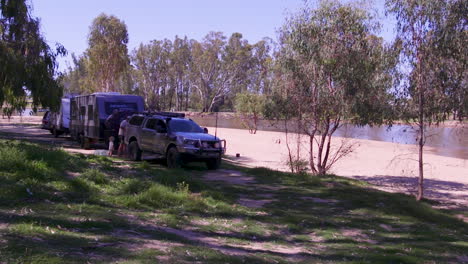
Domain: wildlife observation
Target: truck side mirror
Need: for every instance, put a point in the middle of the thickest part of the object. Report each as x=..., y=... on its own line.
x=205, y=130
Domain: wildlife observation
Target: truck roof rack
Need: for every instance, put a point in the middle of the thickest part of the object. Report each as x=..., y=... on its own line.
x=170, y=114
x=166, y=114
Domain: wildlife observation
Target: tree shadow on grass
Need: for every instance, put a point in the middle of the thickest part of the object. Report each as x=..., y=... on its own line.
x=451, y=195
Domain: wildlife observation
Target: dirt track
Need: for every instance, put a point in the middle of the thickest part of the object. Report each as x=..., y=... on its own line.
x=390, y=167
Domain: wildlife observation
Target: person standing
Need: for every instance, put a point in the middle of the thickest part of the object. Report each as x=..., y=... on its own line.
x=113, y=122
x=122, y=134
x=111, y=146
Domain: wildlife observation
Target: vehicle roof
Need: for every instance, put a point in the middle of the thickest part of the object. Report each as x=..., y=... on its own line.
x=107, y=95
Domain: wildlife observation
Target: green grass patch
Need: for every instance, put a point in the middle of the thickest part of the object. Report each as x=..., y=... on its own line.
x=57, y=207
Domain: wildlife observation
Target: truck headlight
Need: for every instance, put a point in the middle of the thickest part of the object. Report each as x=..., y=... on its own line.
x=191, y=142
x=217, y=145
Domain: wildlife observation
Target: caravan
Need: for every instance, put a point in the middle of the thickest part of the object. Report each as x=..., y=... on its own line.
x=90, y=112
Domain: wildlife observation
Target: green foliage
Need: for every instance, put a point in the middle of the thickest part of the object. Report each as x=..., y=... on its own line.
x=332, y=67
x=107, y=52
x=250, y=106
x=27, y=64
x=105, y=66
x=433, y=37
x=179, y=74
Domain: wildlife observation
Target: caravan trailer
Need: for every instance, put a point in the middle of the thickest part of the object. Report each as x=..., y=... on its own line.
x=90, y=112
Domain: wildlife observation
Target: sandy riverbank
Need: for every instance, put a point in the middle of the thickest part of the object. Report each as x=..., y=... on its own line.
x=391, y=166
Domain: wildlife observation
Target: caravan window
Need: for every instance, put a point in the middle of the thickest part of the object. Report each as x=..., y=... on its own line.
x=90, y=112
x=74, y=110
x=82, y=112
x=130, y=107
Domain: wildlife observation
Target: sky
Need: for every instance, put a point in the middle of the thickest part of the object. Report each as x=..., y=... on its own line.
x=67, y=22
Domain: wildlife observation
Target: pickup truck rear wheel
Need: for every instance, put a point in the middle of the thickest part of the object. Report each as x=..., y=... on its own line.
x=213, y=164
x=134, y=151
x=174, y=160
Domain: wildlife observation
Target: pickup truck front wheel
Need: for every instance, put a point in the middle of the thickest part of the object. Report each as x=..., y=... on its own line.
x=174, y=160
x=134, y=151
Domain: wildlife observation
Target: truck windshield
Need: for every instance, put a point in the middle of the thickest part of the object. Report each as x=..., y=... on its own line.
x=182, y=125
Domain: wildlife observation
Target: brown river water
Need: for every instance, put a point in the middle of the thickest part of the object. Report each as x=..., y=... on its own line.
x=444, y=141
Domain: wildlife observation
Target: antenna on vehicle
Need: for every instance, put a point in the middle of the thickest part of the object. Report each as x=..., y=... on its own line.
x=216, y=125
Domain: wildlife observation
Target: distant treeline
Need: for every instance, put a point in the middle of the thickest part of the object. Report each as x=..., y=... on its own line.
x=181, y=74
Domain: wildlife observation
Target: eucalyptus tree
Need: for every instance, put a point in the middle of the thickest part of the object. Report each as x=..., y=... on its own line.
x=181, y=60
x=28, y=65
x=76, y=78
x=433, y=37
x=260, y=73
x=150, y=63
x=107, y=52
x=333, y=69
x=207, y=67
x=236, y=67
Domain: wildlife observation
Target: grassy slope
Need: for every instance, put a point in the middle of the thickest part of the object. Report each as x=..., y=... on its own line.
x=56, y=207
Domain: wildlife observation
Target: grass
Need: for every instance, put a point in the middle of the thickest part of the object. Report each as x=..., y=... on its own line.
x=57, y=207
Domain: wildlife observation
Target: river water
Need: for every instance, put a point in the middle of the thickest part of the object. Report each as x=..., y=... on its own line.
x=444, y=141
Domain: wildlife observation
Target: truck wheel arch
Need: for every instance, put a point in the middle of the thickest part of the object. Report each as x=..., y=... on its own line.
x=171, y=145
x=131, y=139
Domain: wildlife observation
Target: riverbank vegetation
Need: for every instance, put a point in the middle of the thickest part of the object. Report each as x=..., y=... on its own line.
x=58, y=207
x=328, y=65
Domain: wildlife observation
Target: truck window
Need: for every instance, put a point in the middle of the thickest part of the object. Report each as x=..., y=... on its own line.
x=161, y=127
x=151, y=124
x=90, y=112
x=136, y=120
x=183, y=125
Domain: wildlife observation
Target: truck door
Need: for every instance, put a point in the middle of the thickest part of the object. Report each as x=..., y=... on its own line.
x=148, y=133
x=160, y=138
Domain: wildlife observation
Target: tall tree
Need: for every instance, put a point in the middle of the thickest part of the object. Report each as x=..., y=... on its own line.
x=260, y=73
x=151, y=62
x=76, y=78
x=333, y=69
x=207, y=68
x=181, y=63
x=28, y=65
x=433, y=35
x=107, y=52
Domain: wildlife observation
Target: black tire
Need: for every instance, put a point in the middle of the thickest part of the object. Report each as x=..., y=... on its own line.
x=213, y=164
x=55, y=132
x=134, y=152
x=174, y=160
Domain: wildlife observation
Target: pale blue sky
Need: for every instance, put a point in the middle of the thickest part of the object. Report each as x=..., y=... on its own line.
x=67, y=22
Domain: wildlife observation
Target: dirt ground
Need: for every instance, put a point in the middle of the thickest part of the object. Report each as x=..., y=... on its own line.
x=388, y=166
